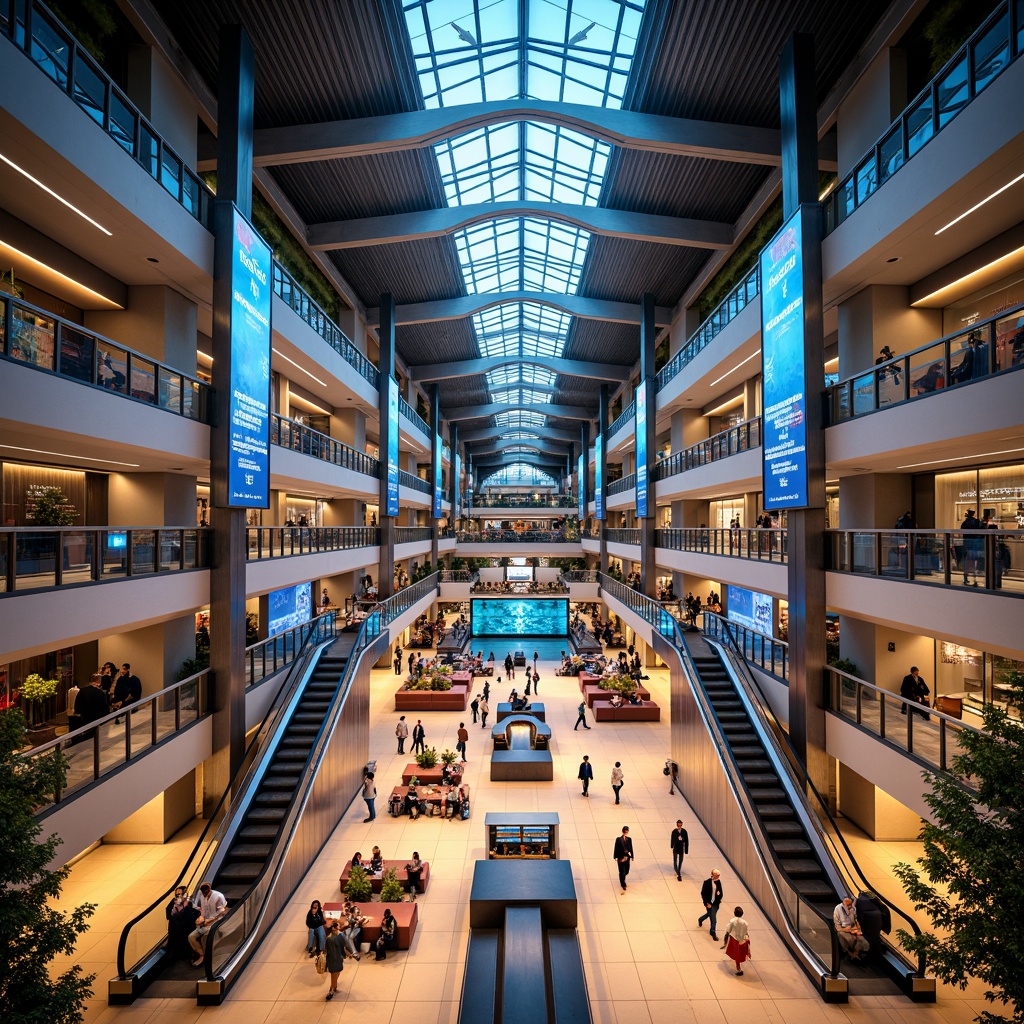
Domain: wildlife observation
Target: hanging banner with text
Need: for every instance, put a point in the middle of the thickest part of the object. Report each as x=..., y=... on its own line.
x=581, y=483
x=438, y=491
x=784, y=400
x=642, y=478
x=248, y=468
x=599, y=476
x=391, y=506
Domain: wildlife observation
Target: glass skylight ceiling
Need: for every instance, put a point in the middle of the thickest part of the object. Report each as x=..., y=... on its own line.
x=473, y=51
x=519, y=473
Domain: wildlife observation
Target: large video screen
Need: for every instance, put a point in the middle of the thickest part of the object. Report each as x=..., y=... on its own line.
x=750, y=608
x=519, y=573
x=502, y=617
x=289, y=607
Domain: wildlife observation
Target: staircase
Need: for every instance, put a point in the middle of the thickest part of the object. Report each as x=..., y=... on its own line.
x=253, y=841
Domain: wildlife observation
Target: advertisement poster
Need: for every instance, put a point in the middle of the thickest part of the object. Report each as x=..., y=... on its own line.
x=457, y=489
x=391, y=505
x=641, y=451
x=249, y=448
x=581, y=480
x=749, y=608
x=599, y=476
x=289, y=607
x=438, y=490
x=782, y=339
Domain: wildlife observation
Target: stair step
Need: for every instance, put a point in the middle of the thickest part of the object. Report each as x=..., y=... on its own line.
x=774, y=812
x=250, y=851
x=812, y=889
x=241, y=871
x=798, y=867
x=272, y=799
x=753, y=764
x=790, y=847
x=746, y=750
x=767, y=795
x=254, y=833
x=232, y=893
x=265, y=815
x=783, y=828
x=760, y=779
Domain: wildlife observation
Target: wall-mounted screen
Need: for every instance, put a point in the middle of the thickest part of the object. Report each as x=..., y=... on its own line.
x=581, y=477
x=457, y=489
x=505, y=617
x=391, y=504
x=641, y=450
x=519, y=573
x=599, y=476
x=289, y=607
x=750, y=608
x=438, y=477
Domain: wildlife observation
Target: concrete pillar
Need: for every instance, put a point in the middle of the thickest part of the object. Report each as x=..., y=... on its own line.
x=874, y=501
x=154, y=652
x=164, y=98
x=151, y=499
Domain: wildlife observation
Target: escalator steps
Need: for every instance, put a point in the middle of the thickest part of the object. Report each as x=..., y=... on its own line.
x=240, y=871
x=760, y=796
x=760, y=779
x=783, y=828
x=812, y=889
x=251, y=851
x=776, y=812
x=789, y=847
x=265, y=815
x=801, y=868
x=254, y=833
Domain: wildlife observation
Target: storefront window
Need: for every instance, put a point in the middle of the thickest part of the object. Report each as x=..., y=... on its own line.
x=724, y=511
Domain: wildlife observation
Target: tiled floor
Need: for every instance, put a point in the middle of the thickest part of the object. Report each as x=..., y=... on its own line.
x=645, y=958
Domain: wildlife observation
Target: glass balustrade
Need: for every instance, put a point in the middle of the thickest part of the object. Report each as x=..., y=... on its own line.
x=740, y=438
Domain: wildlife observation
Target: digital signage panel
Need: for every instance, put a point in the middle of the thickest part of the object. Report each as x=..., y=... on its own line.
x=289, y=607
x=248, y=476
x=391, y=505
x=438, y=490
x=599, y=476
x=581, y=482
x=782, y=340
x=457, y=489
x=641, y=450
x=749, y=608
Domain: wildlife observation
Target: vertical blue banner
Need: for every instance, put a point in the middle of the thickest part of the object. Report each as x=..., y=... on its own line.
x=391, y=508
x=581, y=486
x=438, y=491
x=248, y=480
x=599, y=476
x=640, y=407
x=784, y=402
x=457, y=489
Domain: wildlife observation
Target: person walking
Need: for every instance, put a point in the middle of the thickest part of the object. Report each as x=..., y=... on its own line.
x=581, y=712
x=486, y=694
x=536, y=658
x=617, y=779
x=536, y=682
x=680, y=843
x=460, y=747
x=914, y=690
x=475, y=708
x=334, y=950
x=412, y=661
x=585, y=774
x=711, y=897
x=623, y=855
x=737, y=940
x=402, y=732
x=398, y=661
x=418, y=735
x=509, y=665
x=484, y=712
x=369, y=796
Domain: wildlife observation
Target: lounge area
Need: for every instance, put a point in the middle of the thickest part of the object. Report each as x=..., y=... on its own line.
x=406, y=915
x=521, y=750
x=376, y=881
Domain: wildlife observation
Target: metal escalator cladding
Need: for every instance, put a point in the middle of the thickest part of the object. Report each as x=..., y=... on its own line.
x=268, y=807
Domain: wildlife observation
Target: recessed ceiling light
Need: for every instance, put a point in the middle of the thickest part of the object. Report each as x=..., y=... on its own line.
x=49, y=191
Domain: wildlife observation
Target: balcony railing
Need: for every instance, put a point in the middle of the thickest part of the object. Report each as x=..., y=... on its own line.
x=975, y=66
x=457, y=576
x=762, y=545
x=413, y=416
x=579, y=576
x=649, y=610
x=627, y=536
x=724, y=313
x=37, y=557
x=985, y=348
x=269, y=656
x=34, y=337
x=768, y=653
x=740, y=438
x=413, y=534
x=37, y=32
x=526, y=500
x=623, y=418
x=300, y=438
x=975, y=559
x=285, y=541
x=394, y=606
x=519, y=537
x=415, y=482
x=620, y=486
x=295, y=296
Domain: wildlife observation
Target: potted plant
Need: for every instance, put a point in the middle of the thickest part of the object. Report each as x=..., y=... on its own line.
x=448, y=758
x=52, y=508
x=358, y=887
x=427, y=758
x=36, y=691
x=391, y=890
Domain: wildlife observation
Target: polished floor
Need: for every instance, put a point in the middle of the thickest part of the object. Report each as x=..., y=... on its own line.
x=644, y=956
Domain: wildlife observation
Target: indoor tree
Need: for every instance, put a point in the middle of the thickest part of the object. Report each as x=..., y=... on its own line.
x=969, y=880
x=32, y=933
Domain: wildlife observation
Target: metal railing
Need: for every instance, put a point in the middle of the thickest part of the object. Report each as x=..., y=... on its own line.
x=37, y=557
x=285, y=541
x=768, y=653
x=298, y=299
x=629, y=535
x=518, y=537
x=39, y=34
x=987, y=347
x=740, y=438
x=620, y=486
x=269, y=656
x=34, y=337
x=528, y=500
x=413, y=534
x=300, y=438
x=724, y=313
x=457, y=576
x=930, y=736
x=413, y=416
x=995, y=45
x=394, y=606
x=417, y=483
x=623, y=418
x=762, y=545
x=979, y=559
x=579, y=576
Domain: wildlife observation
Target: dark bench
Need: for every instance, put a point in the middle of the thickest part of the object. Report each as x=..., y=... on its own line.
x=646, y=712
x=399, y=866
x=569, y=995
x=480, y=980
x=524, y=989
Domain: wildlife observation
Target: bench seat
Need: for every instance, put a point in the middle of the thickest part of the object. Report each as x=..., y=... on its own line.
x=647, y=712
x=406, y=914
x=399, y=866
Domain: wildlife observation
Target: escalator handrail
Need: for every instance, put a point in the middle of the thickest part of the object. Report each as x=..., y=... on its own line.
x=785, y=748
x=320, y=625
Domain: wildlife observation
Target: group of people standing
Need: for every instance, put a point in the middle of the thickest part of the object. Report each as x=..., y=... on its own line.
x=108, y=690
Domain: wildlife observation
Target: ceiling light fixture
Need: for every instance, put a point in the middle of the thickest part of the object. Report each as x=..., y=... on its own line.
x=735, y=368
x=962, y=458
x=940, y=295
x=729, y=403
x=68, y=455
x=7, y=251
x=59, y=198
x=277, y=352
x=978, y=206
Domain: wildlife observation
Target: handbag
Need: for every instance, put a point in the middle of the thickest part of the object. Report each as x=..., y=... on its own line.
x=320, y=963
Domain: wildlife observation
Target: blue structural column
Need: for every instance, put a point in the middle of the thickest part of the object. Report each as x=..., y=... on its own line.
x=388, y=444
x=601, y=474
x=646, y=425
x=227, y=577
x=806, y=525
x=453, y=481
x=436, y=464
x=584, y=495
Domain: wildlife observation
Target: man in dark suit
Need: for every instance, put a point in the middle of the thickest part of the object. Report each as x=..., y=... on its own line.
x=711, y=897
x=623, y=855
x=680, y=843
x=915, y=690
x=91, y=704
x=418, y=735
x=127, y=690
x=586, y=773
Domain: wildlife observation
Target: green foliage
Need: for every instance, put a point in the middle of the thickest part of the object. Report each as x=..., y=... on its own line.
x=440, y=683
x=32, y=934
x=458, y=562
x=358, y=888
x=624, y=684
x=52, y=508
x=950, y=25
x=191, y=666
x=449, y=757
x=970, y=883
x=37, y=689
x=427, y=758
x=391, y=890
x=661, y=353
x=421, y=572
x=567, y=564
x=252, y=629
x=89, y=21
x=615, y=571
x=844, y=665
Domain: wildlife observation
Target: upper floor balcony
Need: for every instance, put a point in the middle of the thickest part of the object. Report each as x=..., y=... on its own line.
x=338, y=467
x=495, y=505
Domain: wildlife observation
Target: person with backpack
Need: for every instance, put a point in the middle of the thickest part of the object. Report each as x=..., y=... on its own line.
x=582, y=719
x=388, y=938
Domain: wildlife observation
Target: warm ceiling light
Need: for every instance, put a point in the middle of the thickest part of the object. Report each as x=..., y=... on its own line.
x=978, y=206
x=939, y=296
x=55, y=277
x=962, y=458
x=730, y=403
x=49, y=191
x=204, y=356
x=277, y=352
x=307, y=404
x=735, y=368
x=67, y=455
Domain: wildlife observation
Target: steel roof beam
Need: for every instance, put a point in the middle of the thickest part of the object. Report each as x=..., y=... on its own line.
x=547, y=433
x=472, y=412
x=563, y=367
x=543, y=447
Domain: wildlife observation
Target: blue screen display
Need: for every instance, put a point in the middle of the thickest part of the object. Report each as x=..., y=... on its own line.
x=289, y=607
x=641, y=450
x=249, y=447
x=581, y=477
x=750, y=608
x=504, y=617
x=438, y=490
x=391, y=504
x=782, y=339
x=457, y=490
x=599, y=476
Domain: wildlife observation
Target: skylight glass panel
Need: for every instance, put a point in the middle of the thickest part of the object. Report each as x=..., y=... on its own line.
x=563, y=166
x=520, y=420
x=519, y=473
x=553, y=255
x=522, y=374
x=482, y=166
x=520, y=435
x=521, y=396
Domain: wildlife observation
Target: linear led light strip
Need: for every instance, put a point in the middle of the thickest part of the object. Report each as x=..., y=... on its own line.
x=278, y=352
x=961, y=458
x=67, y=455
x=59, y=198
x=978, y=206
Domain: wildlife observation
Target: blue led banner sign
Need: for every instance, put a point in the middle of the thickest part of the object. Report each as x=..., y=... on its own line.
x=438, y=491
x=391, y=506
x=641, y=450
x=581, y=485
x=782, y=339
x=599, y=476
x=248, y=476
x=457, y=490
